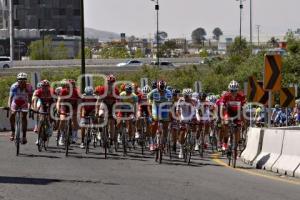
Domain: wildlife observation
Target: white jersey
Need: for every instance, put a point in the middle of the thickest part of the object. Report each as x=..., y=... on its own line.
x=187, y=109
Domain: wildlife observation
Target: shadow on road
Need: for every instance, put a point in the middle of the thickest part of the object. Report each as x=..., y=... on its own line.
x=29, y=181
x=39, y=156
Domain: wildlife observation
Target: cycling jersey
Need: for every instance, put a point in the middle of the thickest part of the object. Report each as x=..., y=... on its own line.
x=74, y=100
x=129, y=103
x=161, y=104
x=233, y=103
x=45, y=96
x=89, y=104
x=143, y=105
x=20, y=96
x=187, y=109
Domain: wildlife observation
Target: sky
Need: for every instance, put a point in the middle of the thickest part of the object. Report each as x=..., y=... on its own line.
x=180, y=17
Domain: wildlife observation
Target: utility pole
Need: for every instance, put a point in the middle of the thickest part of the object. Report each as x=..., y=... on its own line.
x=157, y=30
x=82, y=45
x=258, y=31
x=241, y=12
x=11, y=29
x=251, y=34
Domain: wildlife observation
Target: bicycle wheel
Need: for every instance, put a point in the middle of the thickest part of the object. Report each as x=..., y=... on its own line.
x=86, y=141
x=201, y=149
x=105, y=141
x=40, y=140
x=234, y=151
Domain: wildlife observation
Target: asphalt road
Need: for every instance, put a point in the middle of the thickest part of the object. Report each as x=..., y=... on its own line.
x=49, y=175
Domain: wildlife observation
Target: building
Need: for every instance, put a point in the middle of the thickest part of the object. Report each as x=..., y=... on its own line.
x=62, y=16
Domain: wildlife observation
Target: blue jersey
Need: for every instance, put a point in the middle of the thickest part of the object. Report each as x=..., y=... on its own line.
x=161, y=104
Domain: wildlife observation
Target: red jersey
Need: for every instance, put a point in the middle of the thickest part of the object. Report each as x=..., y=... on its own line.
x=110, y=97
x=233, y=103
x=45, y=96
x=74, y=100
x=91, y=104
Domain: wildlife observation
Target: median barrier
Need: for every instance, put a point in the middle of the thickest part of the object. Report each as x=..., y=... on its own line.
x=271, y=149
x=5, y=124
x=289, y=160
x=253, y=147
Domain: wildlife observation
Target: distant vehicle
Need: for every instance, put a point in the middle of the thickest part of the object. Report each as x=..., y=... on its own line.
x=163, y=63
x=5, y=62
x=132, y=63
x=277, y=51
x=209, y=60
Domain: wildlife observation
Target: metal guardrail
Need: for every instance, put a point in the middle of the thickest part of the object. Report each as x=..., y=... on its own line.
x=99, y=62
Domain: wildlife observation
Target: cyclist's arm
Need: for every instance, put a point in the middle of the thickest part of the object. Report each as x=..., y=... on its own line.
x=58, y=103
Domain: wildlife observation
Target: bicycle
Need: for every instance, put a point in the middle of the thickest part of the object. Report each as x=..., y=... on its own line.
x=143, y=137
x=18, y=127
x=232, y=144
x=67, y=129
x=213, y=138
x=89, y=133
x=160, y=142
x=43, y=127
x=190, y=141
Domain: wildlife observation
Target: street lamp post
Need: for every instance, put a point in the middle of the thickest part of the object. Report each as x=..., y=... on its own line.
x=241, y=12
x=82, y=45
x=11, y=29
x=251, y=32
x=157, y=30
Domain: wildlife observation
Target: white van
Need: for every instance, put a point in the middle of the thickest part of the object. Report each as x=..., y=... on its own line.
x=5, y=62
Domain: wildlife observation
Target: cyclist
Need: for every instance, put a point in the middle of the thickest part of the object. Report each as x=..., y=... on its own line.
x=34, y=97
x=160, y=101
x=128, y=110
x=42, y=101
x=19, y=98
x=69, y=96
x=174, y=117
x=139, y=94
x=204, y=118
x=143, y=110
x=88, y=108
x=297, y=112
x=186, y=111
x=233, y=102
x=107, y=98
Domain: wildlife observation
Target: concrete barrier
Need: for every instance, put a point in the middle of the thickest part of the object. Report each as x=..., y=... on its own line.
x=253, y=147
x=271, y=149
x=5, y=124
x=297, y=172
x=289, y=160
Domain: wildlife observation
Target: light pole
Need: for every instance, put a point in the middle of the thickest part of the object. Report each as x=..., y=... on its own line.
x=82, y=45
x=157, y=30
x=11, y=29
x=258, y=31
x=251, y=33
x=241, y=12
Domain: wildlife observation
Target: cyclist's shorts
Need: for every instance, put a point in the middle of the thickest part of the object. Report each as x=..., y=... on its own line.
x=158, y=114
x=18, y=105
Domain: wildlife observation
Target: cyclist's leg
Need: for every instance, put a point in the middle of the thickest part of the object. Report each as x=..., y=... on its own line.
x=153, y=130
x=181, y=140
x=12, y=120
x=75, y=125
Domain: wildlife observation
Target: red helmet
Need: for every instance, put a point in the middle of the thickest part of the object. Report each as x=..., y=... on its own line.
x=72, y=81
x=45, y=83
x=99, y=90
x=161, y=85
x=122, y=88
x=111, y=78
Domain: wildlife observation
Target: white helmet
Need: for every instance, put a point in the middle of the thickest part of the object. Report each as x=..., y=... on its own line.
x=297, y=101
x=89, y=91
x=22, y=76
x=187, y=92
x=233, y=86
x=211, y=98
x=195, y=95
x=146, y=89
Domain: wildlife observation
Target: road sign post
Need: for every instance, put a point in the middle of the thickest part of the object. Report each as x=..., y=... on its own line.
x=198, y=86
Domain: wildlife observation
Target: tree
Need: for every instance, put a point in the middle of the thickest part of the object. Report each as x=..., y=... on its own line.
x=198, y=36
x=41, y=49
x=162, y=36
x=60, y=52
x=293, y=44
x=114, y=52
x=87, y=53
x=167, y=48
x=239, y=49
x=139, y=53
x=273, y=42
x=217, y=33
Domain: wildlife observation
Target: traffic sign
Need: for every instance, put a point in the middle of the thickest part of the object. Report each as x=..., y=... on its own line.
x=144, y=82
x=272, y=72
x=198, y=86
x=287, y=97
x=89, y=80
x=255, y=91
x=35, y=79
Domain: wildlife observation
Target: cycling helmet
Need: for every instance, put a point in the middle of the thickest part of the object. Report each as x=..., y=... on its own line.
x=22, y=76
x=161, y=85
x=175, y=92
x=58, y=90
x=45, y=83
x=277, y=106
x=297, y=101
x=211, y=98
x=233, y=86
x=187, y=92
x=154, y=84
x=169, y=88
x=111, y=78
x=128, y=88
x=39, y=85
x=146, y=89
x=195, y=95
x=89, y=91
